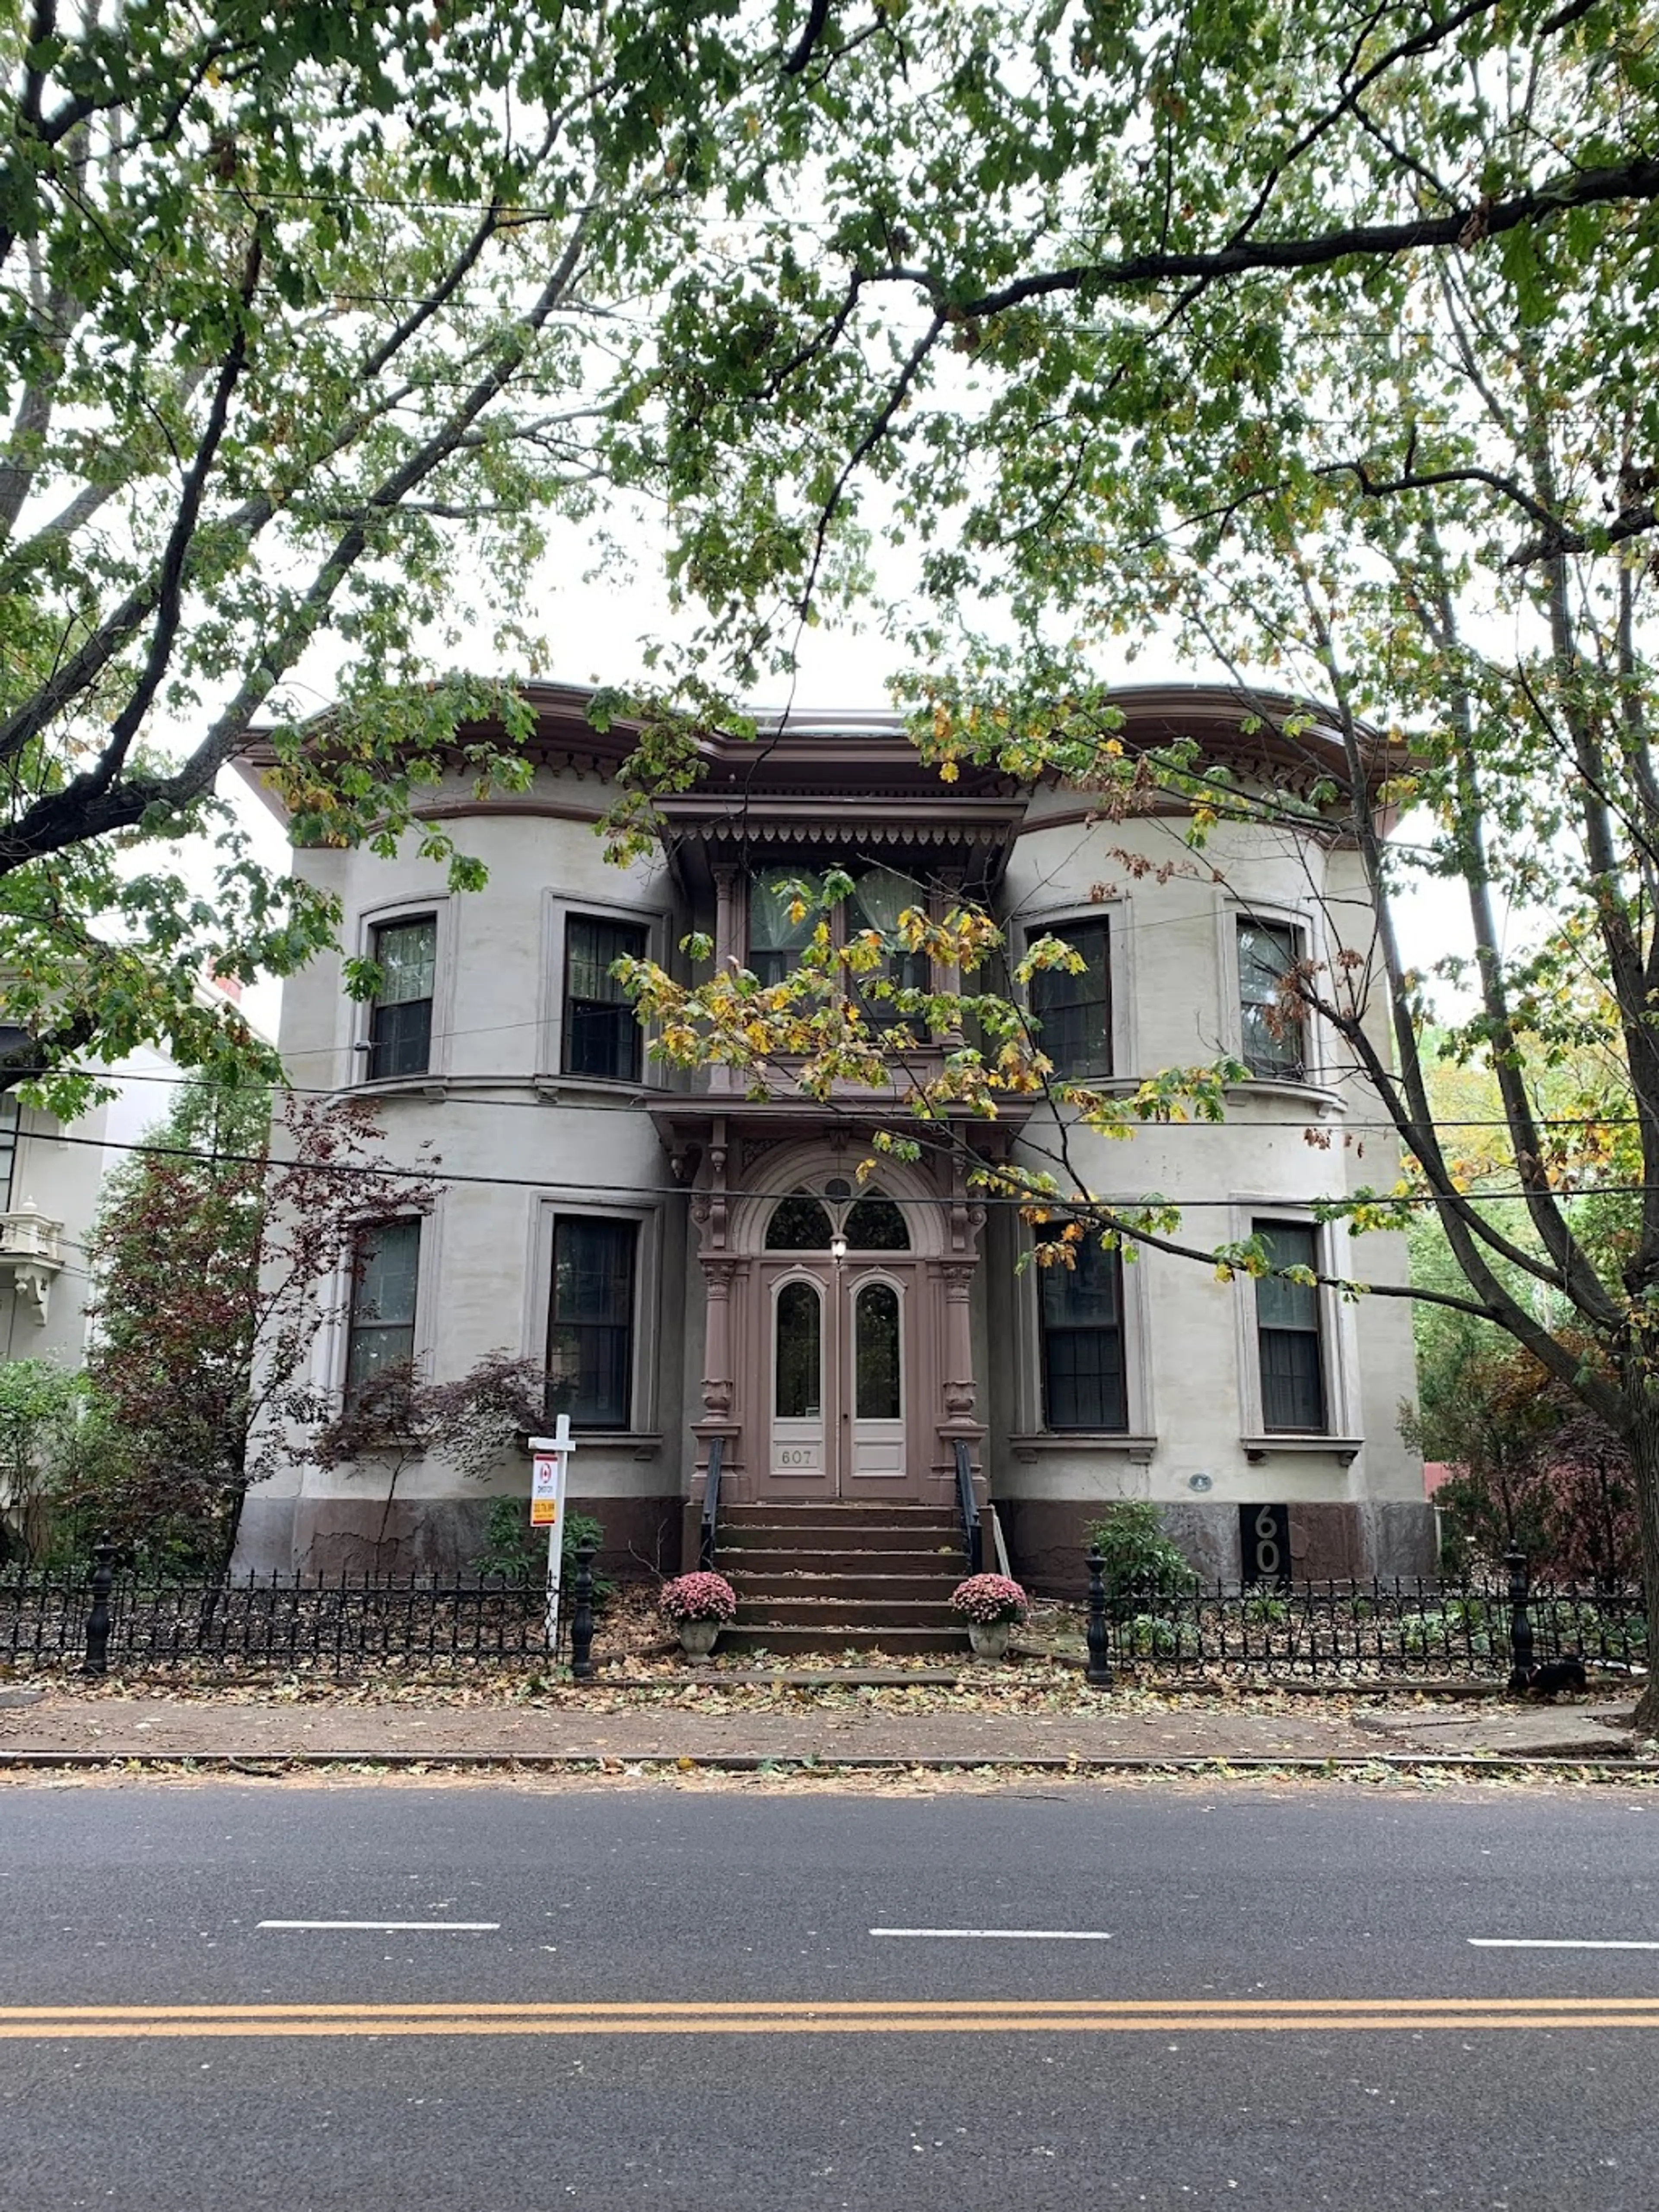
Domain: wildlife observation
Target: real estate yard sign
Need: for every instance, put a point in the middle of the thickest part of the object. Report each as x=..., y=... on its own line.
x=549, y=1475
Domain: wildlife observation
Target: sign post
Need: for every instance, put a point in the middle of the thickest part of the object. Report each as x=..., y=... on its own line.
x=549, y=1475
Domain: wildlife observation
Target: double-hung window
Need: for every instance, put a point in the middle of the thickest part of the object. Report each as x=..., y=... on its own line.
x=590, y=1337
x=1080, y=1312
x=384, y=1270
x=1290, y=1351
x=779, y=934
x=878, y=898
x=1072, y=1013
x=1274, y=1038
x=400, y=1018
x=781, y=920
x=601, y=1034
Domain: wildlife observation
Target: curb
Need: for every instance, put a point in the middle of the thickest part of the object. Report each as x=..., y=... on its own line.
x=271, y=1765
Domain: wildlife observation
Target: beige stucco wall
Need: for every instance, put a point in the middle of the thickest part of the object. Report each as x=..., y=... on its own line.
x=494, y=1108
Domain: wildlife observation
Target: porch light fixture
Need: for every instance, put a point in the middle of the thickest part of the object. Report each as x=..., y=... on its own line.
x=838, y=1246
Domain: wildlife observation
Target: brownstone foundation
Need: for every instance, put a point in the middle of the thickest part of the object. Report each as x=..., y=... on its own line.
x=436, y=1535
x=1047, y=1548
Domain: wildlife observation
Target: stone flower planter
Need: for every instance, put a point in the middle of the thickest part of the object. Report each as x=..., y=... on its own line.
x=697, y=1638
x=989, y=1638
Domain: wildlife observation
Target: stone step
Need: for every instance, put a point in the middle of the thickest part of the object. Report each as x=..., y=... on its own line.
x=849, y=1614
x=841, y=1589
x=899, y=1642
x=745, y=1559
x=872, y=1512
x=820, y=1539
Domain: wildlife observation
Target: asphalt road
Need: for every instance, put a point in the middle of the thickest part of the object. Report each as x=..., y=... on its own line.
x=1330, y=2034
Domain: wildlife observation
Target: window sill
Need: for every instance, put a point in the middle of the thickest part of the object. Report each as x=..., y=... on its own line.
x=630, y=1089
x=1304, y=1090
x=1346, y=1449
x=643, y=1443
x=1138, y=1448
x=432, y=1084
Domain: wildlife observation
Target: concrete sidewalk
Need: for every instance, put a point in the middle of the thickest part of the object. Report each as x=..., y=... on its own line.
x=837, y=1725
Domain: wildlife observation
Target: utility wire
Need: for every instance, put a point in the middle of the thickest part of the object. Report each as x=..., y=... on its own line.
x=537, y=1106
x=438, y=1174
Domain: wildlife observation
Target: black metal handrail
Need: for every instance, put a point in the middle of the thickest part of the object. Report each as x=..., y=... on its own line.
x=711, y=1501
x=973, y=1540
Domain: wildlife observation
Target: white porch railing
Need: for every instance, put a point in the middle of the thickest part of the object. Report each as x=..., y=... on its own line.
x=31, y=1255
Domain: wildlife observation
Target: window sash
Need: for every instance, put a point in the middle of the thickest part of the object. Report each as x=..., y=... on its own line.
x=385, y=1285
x=1073, y=1013
x=601, y=1033
x=1081, y=1315
x=590, y=1348
x=1271, y=1043
x=400, y=1018
x=1289, y=1339
x=400, y=1039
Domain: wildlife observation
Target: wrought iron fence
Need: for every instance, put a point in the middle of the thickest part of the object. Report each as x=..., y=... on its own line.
x=1399, y=1627
x=329, y=1624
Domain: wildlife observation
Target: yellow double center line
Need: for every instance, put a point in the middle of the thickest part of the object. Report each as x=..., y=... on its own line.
x=1087, y=2015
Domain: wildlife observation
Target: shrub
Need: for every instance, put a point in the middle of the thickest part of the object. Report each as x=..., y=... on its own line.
x=1146, y=1637
x=506, y=1554
x=700, y=1597
x=988, y=1599
x=1265, y=1611
x=1140, y=1557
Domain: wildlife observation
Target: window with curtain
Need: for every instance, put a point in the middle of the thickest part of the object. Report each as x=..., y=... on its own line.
x=601, y=1035
x=381, y=1331
x=776, y=938
x=400, y=1015
x=1274, y=1040
x=1081, y=1314
x=1073, y=1013
x=590, y=1339
x=1287, y=1327
x=878, y=897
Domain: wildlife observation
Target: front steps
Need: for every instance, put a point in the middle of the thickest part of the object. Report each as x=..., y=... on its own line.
x=823, y=1577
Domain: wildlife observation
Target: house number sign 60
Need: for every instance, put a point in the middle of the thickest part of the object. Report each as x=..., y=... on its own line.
x=1264, y=1543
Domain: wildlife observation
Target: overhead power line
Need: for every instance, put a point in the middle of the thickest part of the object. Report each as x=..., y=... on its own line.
x=463, y=1178
x=1308, y=1120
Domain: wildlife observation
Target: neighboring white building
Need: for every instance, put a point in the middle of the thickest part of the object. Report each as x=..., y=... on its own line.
x=51, y=1185
x=695, y=1265
x=52, y=1181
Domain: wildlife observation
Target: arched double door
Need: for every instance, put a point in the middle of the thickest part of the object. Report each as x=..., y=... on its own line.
x=839, y=1310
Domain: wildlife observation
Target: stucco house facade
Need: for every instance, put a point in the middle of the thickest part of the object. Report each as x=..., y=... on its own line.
x=52, y=1183
x=701, y=1270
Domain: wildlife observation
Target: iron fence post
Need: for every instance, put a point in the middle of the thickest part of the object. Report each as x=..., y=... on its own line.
x=102, y=1582
x=1098, y=1674
x=581, y=1617
x=1519, y=1618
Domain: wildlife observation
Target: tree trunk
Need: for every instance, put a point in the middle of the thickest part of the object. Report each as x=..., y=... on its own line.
x=233, y=1528
x=1645, y=1458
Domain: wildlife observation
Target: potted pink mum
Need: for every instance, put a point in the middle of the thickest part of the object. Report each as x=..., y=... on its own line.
x=993, y=1606
x=699, y=1605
